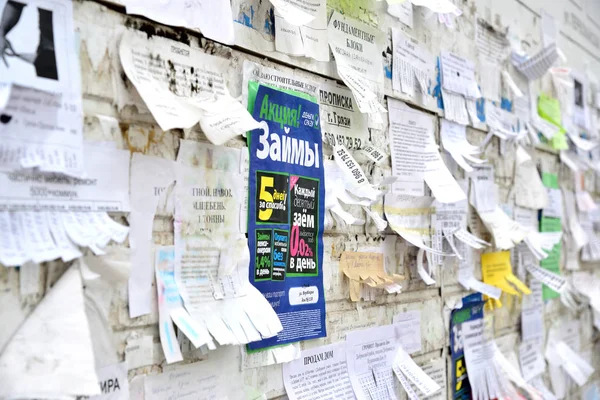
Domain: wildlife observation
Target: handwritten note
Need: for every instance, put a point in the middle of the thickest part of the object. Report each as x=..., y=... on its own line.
x=366, y=268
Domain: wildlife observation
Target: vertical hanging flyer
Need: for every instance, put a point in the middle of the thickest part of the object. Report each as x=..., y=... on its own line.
x=472, y=309
x=549, y=222
x=286, y=211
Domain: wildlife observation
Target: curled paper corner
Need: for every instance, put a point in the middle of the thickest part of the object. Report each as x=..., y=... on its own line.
x=365, y=91
x=286, y=353
x=225, y=118
x=379, y=222
x=356, y=188
x=536, y=66
x=570, y=361
x=220, y=116
x=424, y=274
x=65, y=336
x=469, y=239
x=405, y=368
x=497, y=271
x=450, y=240
x=514, y=375
x=511, y=84
x=292, y=14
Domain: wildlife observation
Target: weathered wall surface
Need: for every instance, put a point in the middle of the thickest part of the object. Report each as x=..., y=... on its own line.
x=114, y=112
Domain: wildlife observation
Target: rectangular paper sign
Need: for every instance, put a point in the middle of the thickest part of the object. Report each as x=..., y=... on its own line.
x=319, y=373
x=105, y=188
x=286, y=209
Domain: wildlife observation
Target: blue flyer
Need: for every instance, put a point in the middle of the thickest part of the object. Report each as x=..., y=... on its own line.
x=286, y=210
x=472, y=309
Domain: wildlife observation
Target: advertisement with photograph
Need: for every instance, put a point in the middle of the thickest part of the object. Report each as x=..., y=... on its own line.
x=37, y=49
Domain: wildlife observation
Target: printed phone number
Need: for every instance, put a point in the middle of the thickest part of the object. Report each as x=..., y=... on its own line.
x=349, y=142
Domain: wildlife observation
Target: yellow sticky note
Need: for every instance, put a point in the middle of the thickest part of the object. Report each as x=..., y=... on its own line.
x=497, y=271
x=495, y=267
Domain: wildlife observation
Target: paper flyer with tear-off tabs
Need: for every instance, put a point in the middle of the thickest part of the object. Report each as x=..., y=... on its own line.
x=286, y=211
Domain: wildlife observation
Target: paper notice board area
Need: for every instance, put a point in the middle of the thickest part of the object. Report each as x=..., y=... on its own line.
x=271, y=199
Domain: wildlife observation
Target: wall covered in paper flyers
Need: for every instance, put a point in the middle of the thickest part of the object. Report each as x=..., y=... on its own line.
x=302, y=187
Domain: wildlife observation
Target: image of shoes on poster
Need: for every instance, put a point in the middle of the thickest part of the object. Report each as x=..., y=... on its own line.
x=37, y=45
